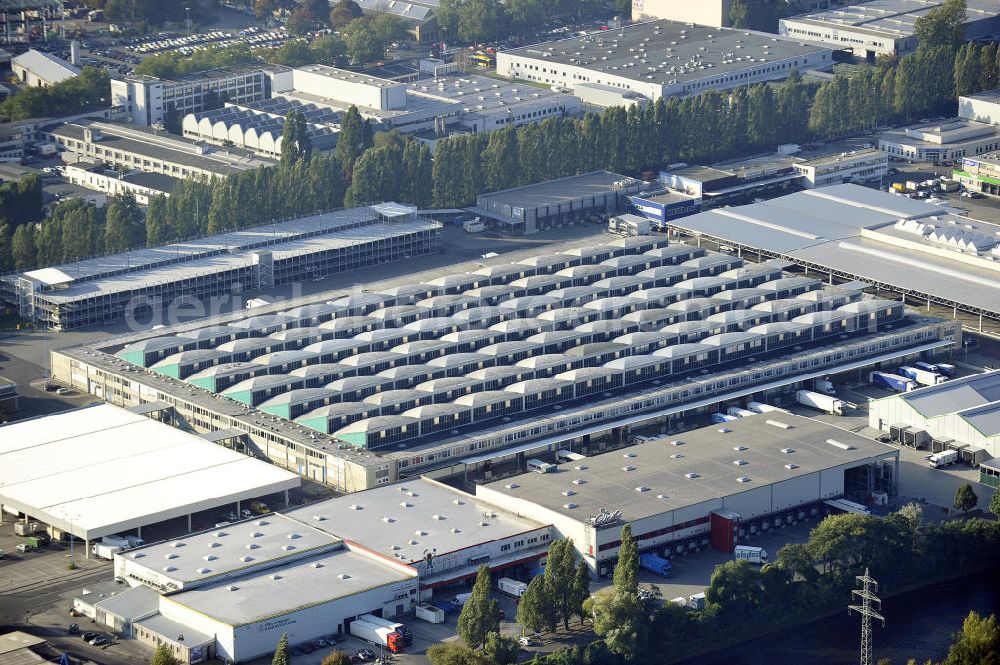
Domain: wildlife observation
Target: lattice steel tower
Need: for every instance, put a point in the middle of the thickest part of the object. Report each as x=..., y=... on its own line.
x=867, y=612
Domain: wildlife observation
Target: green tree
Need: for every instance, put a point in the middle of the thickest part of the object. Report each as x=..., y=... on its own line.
x=502, y=649
x=620, y=620
x=994, y=507
x=89, y=91
x=336, y=657
x=481, y=614
x=581, y=589
x=295, y=142
x=301, y=21
x=480, y=20
x=363, y=42
x=163, y=656
x=942, y=26
x=734, y=590
x=559, y=574
x=48, y=242
x=535, y=607
x=965, y=498
x=978, y=643
x=351, y=141
x=455, y=653
x=123, y=227
x=22, y=248
x=627, y=569
x=281, y=651
x=757, y=14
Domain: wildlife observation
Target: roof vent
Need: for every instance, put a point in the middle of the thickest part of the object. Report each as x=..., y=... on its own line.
x=676, y=442
x=458, y=502
x=343, y=576
x=256, y=534
x=214, y=544
x=420, y=532
x=246, y=559
x=791, y=466
x=788, y=451
x=579, y=481
x=778, y=423
x=137, y=555
x=275, y=576
x=317, y=564
x=568, y=493
x=580, y=467
x=210, y=557
x=677, y=456
x=177, y=543
x=641, y=488
x=724, y=430
x=232, y=587
x=353, y=506
x=629, y=455
x=662, y=496
x=204, y=571
x=171, y=555
x=262, y=523
x=220, y=534
x=319, y=518
x=455, y=530
x=739, y=449
x=512, y=486
x=691, y=475
x=628, y=467
x=437, y=517
x=740, y=462
x=743, y=479
x=288, y=548
x=569, y=506
x=169, y=569
x=293, y=536
x=411, y=541
x=840, y=444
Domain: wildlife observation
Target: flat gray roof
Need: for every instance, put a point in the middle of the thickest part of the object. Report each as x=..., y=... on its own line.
x=851, y=229
x=894, y=18
x=277, y=591
x=449, y=519
x=560, y=190
x=672, y=47
x=955, y=395
x=693, y=467
x=248, y=544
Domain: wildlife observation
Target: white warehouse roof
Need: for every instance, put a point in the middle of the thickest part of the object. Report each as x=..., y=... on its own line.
x=101, y=470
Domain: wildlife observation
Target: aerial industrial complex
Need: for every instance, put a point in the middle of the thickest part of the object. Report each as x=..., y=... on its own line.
x=106, y=289
x=664, y=58
x=312, y=571
x=576, y=347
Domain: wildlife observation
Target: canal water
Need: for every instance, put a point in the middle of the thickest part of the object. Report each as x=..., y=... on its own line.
x=919, y=624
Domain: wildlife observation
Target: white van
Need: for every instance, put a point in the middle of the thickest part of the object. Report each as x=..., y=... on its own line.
x=752, y=554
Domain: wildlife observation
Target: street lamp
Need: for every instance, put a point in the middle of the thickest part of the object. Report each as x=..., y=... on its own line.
x=187, y=12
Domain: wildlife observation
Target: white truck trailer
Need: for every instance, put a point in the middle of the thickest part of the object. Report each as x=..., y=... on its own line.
x=429, y=613
x=756, y=555
x=943, y=458
x=826, y=403
x=761, y=407
x=512, y=587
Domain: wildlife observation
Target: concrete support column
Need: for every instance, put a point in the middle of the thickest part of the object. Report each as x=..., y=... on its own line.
x=189, y=522
x=138, y=531
x=980, y=323
x=286, y=499
x=928, y=304
x=86, y=548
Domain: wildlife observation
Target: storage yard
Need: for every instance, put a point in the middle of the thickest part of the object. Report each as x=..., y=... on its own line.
x=576, y=347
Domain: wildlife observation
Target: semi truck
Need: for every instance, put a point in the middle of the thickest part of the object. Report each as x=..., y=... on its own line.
x=402, y=629
x=826, y=403
x=943, y=369
x=539, y=466
x=921, y=376
x=899, y=384
x=474, y=225
x=756, y=555
x=718, y=418
x=380, y=635
x=429, y=613
x=655, y=564
x=943, y=458
x=511, y=587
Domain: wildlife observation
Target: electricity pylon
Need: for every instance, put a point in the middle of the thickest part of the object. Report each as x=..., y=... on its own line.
x=867, y=612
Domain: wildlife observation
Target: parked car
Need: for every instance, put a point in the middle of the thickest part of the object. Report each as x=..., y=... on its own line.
x=73, y=629
x=100, y=641
x=89, y=635
x=525, y=641
x=320, y=644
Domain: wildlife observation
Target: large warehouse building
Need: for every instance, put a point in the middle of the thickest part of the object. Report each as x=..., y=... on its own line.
x=883, y=27
x=664, y=58
x=579, y=346
x=962, y=414
x=108, y=288
x=102, y=470
x=717, y=485
x=851, y=232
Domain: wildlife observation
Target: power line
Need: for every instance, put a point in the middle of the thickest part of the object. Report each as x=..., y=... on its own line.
x=867, y=612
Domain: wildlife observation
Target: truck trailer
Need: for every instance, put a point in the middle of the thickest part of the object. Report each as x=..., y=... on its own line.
x=512, y=587
x=899, y=384
x=740, y=412
x=402, y=629
x=719, y=418
x=824, y=386
x=921, y=376
x=429, y=613
x=380, y=635
x=756, y=555
x=655, y=564
x=761, y=407
x=943, y=458
x=826, y=403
